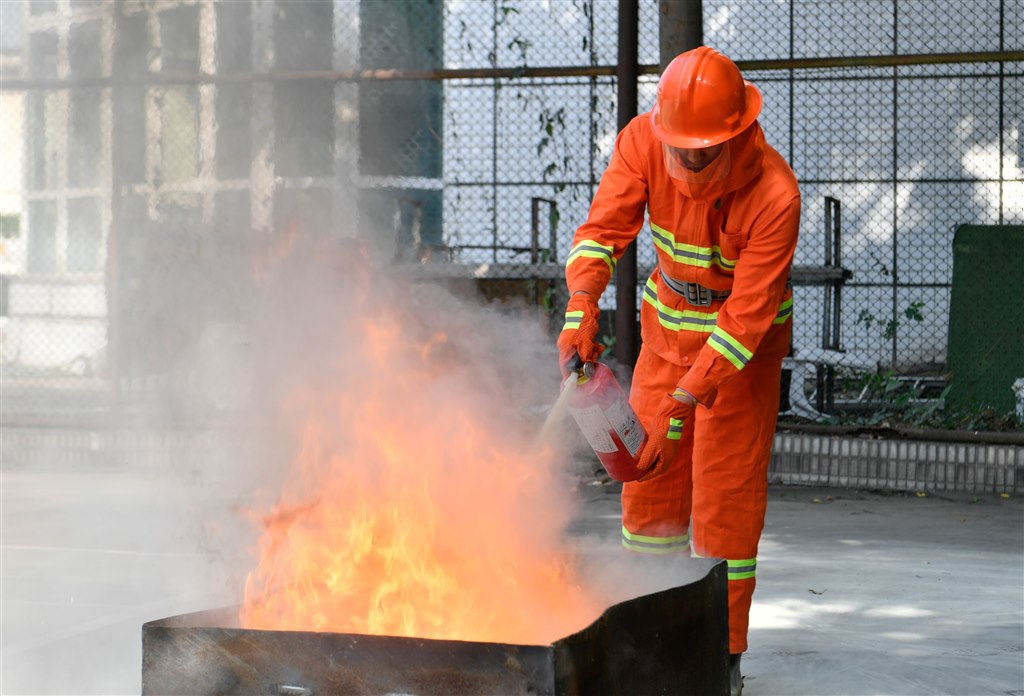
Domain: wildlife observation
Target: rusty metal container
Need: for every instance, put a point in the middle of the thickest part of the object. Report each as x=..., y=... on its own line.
x=670, y=641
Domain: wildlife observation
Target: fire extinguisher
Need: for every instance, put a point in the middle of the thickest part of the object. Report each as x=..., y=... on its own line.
x=601, y=410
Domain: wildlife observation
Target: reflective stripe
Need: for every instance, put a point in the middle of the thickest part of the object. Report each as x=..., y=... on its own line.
x=728, y=346
x=678, y=319
x=692, y=320
x=785, y=311
x=742, y=569
x=592, y=250
x=675, y=429
x=655, y=545
x=572, y=320
x=702, y=257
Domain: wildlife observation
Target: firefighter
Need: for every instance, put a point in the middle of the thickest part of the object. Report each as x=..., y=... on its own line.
x=723, y=210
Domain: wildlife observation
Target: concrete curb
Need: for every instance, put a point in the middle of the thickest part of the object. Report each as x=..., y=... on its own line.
x=898, y=465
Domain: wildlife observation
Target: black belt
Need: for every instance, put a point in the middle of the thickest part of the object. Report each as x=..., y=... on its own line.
x=695, y=293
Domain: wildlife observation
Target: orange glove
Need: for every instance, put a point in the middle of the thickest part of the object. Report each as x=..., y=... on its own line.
x=666, y=430
x=579, y=332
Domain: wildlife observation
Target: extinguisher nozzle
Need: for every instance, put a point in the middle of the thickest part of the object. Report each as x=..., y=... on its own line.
x=584, y=369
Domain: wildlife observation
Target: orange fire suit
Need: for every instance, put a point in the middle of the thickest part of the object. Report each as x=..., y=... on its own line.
x=715, y=320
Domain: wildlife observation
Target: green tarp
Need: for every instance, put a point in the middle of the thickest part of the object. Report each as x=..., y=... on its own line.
x=986, y=318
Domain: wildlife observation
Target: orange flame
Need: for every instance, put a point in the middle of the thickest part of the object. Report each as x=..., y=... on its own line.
x=414, y=508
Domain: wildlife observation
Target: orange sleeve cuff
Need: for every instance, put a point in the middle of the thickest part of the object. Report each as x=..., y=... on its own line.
x=699, y=384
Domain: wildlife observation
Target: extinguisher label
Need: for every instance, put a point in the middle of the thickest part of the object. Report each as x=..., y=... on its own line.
x=595, y=427
x=624, y=420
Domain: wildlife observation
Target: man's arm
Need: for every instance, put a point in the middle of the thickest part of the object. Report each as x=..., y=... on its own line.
x=753, y=307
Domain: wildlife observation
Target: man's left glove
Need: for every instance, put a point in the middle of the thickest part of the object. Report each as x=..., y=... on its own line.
x=579, y=334
x=666, y=430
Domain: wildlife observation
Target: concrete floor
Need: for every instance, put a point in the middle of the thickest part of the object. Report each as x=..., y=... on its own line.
x=864, y=593
x=858, y=593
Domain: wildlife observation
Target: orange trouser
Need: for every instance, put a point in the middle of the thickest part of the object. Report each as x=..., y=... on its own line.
x=718, y=482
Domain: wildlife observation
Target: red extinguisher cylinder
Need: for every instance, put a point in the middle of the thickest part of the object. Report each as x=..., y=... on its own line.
x=602, y=411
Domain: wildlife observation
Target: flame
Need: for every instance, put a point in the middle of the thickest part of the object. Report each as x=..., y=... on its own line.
x=416, y=506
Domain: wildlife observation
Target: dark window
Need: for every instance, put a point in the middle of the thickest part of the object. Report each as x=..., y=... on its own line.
x=303, y=35
x=234, y=37
x=42, y=55
x=180, y=215
x=42, y=237
x=85, y=235
x=85, y=154
x=44, y=115
x=231, y=211
x=132, y=47
x=304, y=128
x=234, y=141
x=179, y=40
x=310, y=210
x=400, y=123
x=85, y=52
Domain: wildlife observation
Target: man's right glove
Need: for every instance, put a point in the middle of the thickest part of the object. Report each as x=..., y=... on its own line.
x=579, y=333
x=666, y=430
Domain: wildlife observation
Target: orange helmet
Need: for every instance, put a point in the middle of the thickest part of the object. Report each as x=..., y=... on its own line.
x=703, y=100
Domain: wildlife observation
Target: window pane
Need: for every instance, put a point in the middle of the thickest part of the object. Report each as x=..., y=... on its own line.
x=131, y=47
x=45, y=119
x=234, y=37
x=304, y=126
x=85, y=235
x=42, y=237
x=85, y=154
x=231, y=211
x=179, y=144
x=42, y=55
x=303, y=33
x=234, y=107
x=85, y=51
x=179, y=40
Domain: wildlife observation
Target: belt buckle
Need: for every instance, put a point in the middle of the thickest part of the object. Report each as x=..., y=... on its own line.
x=698, y=295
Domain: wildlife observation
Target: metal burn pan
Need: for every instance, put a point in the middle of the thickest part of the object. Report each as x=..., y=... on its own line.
x=672, y=641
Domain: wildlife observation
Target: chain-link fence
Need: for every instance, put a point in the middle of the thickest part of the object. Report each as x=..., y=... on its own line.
x=156, y=154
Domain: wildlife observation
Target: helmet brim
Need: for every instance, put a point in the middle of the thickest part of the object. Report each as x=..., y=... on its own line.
x=694, y=141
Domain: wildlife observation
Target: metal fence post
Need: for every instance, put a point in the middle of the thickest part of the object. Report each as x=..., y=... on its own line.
x=627, y=331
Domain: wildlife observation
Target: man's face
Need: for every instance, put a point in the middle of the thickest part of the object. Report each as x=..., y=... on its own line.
x=696, y=160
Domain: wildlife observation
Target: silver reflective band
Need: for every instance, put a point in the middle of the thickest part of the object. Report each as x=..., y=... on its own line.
x=694, y=293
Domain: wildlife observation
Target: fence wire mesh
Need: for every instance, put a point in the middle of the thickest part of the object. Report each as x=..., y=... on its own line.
x=154, y=151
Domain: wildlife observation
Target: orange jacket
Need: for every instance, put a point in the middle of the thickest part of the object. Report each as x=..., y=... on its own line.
x=736, y=232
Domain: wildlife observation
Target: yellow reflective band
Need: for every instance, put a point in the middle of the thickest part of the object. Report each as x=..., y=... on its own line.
x=785, y=311
x=742, y=569
x=572, y=320
x=675, y=429
x=592, y=250
x=678, y=319
x=733, y=350
x=654, y=545
x=701, y=257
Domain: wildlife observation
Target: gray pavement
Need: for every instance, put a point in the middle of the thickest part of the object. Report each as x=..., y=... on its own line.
x=865, y=593
x=858, y=593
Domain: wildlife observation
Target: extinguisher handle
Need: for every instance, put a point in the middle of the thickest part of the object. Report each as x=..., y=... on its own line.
x=577, y=365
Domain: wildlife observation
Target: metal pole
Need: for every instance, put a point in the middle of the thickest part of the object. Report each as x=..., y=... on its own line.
x=627, y=333
x=680, y=28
